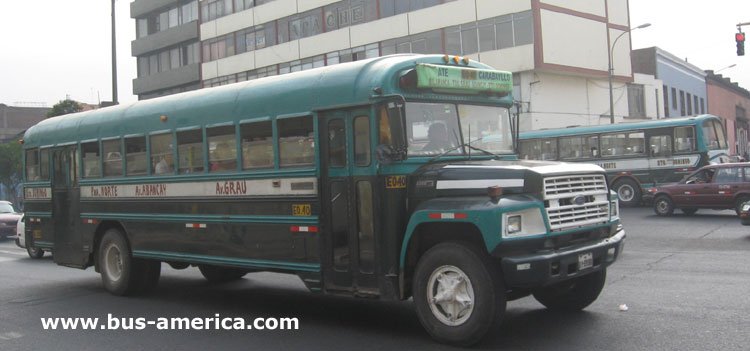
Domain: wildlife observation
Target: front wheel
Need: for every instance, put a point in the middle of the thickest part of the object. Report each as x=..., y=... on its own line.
x=34, y=252
x=663, y=206
x=573, y=295
x=457, y=293
x=739, y=202
x=121, y=273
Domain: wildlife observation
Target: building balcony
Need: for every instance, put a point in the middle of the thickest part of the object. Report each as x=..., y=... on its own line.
x=163, y=39
x=167, y=79
x=138, y=8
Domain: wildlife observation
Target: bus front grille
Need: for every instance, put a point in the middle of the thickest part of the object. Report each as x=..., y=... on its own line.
x=576, y=201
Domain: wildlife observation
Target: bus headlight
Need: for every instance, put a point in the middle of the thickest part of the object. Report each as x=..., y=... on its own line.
x=513, y=224
x=523, y=223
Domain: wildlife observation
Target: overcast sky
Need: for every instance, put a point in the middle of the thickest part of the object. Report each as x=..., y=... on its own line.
x=50, y=49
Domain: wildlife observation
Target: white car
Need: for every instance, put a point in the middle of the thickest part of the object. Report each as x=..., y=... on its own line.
x=21, y=240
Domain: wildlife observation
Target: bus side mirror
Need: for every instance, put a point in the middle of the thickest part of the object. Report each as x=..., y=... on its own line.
x=385, y=154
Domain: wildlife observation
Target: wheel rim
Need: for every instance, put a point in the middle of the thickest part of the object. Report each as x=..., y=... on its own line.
x=662, y=206
x=113, y=262
x=450, y=295
x=626, y=193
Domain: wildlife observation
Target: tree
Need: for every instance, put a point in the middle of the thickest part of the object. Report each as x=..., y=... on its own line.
x=64, y=107
x=10, y=169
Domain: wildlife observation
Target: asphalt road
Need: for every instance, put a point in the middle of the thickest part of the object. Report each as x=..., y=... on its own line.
x=685, y=280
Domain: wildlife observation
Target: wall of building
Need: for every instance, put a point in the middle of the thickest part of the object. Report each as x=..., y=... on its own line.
x=653, y=95
x=685, y=78
x=726, y=103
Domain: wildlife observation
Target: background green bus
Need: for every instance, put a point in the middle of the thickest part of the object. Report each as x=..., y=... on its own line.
x=636, y=155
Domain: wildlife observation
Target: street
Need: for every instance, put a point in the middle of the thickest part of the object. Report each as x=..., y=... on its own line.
x=685, y=281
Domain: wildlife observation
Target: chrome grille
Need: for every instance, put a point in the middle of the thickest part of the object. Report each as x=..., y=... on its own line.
x=560, y=194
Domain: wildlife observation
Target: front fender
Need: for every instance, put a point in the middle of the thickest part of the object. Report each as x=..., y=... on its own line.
x=481, y=212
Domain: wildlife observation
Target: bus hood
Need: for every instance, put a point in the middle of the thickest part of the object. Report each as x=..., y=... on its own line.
x=474, y=177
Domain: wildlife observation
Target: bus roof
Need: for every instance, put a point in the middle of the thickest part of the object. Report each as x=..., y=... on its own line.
x=285, y=95
x=607, y=128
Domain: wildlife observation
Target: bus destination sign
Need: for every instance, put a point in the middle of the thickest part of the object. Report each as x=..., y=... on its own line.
x=463, y=79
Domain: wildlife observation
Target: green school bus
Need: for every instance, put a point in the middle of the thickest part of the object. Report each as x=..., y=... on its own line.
x=388, y=178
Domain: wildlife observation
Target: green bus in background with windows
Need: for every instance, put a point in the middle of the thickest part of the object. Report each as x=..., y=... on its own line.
x=638, y=155
x=387, y=178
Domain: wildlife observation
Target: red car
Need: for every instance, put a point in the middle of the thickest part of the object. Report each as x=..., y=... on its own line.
x=719, y=187
x=8, y=219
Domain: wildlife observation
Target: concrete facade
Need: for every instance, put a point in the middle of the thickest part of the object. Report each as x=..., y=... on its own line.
x=732, y=103
x=15, y=120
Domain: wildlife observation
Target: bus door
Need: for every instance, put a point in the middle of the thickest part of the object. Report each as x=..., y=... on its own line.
x=65, y=211
x=347, y=203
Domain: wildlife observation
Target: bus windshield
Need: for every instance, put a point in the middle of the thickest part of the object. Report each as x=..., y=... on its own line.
x=434, y=128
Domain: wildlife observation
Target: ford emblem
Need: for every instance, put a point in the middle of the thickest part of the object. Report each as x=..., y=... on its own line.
x=579, y=200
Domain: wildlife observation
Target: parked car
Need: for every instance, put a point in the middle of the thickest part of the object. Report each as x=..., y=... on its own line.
x=719, y=187
x=745, y=214
x=21, y=240
x=8, y=219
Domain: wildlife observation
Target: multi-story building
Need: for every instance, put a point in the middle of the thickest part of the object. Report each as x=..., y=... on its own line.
x=558, y=50
x=14, y=120
x=167, y=47
x=732, y=102
x=684, y=90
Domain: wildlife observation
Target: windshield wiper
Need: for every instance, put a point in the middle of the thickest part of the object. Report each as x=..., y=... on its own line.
x=434, y=159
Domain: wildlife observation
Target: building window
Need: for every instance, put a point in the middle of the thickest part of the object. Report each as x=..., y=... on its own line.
x=703, y=106
x=689, y=104
x=682, y=103
x=674, y=98
x=306, y=25
x=695, y=103
x=666, y=101
x=636, y=103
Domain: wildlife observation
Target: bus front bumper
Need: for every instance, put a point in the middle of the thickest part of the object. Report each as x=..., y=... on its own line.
x=553, y=266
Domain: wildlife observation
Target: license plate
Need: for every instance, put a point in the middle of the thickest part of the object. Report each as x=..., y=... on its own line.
x=585, y=260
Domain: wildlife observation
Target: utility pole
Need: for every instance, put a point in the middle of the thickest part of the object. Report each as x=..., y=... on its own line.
x=114, y=58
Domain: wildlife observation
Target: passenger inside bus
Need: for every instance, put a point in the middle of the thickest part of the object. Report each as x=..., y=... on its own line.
x=164, y=166
x=438, y=137
x=222, y=158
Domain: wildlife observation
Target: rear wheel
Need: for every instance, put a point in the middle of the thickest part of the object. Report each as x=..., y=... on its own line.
x=573, y=295
x=689, y=211
x=457, y=293
x=34, y=252
x=739, y=202
x=663, y=206
x=121, y=273
x=215, y=274
x=628, y=191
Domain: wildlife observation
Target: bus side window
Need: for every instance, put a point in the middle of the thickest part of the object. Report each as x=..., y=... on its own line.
x=32, y=164
x=661, y=146
x=162, y=158
x=684, y=139
x=296, y=141
x=257, y=145
x=362, y=141
x=112, y=158
x=222, y=146
x=44, y=164
x=135, y=156
x=91, y=160
x=190, y=151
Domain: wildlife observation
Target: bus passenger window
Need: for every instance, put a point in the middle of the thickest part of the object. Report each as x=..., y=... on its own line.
x=32, y=164
x=91, y=166
x=362, y=141
x=135, y=156
x=684, y=139
x=44, y=164
x=257, y=145
x=296, y=141
x=190, y=151
x=112, y=158
x=661, y=146
x=222, y=148
x=162, y=159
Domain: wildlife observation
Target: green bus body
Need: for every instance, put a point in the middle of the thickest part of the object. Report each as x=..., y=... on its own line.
x=352, y=218
x=644, y=166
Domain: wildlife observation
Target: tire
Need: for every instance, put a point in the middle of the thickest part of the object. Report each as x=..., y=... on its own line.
x=739, y=202
x=628, y=192
x=689, y=211
x=573, y=295
x=34, y=252
x=473, y=278
x=215, y=274
x=663, y=206
x=122, y=274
